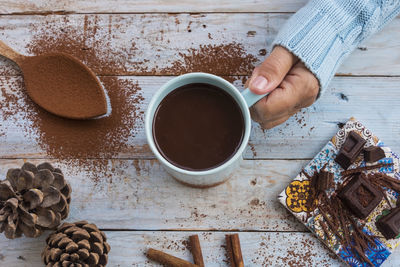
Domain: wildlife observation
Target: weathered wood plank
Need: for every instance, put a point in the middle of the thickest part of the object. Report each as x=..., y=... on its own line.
x=170, y=44
x=128, y=248
x=139, y=195
x=371, y=100
x=126, y=6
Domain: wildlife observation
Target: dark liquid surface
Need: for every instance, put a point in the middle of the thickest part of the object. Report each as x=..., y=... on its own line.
x=198, y=127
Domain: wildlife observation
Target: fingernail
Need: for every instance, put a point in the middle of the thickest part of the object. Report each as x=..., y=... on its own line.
x=260, y=83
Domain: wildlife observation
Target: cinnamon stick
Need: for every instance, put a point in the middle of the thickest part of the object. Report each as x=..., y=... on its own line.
x=196, y=250
x=234, y=250
x=167, y=259
x=229, y=251
x=237, y=251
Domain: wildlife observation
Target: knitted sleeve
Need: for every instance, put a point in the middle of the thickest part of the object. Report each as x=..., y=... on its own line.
x=324, y=32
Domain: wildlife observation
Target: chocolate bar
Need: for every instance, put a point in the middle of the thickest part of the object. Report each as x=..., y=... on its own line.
x=350, y=150
x=373, y=153
x=389, y=225
x=360, y=197
x=324, y=181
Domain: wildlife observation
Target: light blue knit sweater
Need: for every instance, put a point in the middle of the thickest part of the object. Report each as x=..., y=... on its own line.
x=324, y=32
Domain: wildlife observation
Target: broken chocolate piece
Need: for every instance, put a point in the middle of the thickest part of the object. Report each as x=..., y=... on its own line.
x=373, y=153
x=325, y=181
x=389, y=225
x=350, y=150
x=360, y=196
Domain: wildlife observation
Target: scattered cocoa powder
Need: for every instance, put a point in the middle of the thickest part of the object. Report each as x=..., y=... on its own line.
x=253, y=149
x=67, y=35
x=77, y=142
x=100, y=138
x=224, y=59
x=262, y=52
x=99, y=51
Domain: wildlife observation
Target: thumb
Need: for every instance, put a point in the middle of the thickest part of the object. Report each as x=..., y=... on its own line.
x=272, y=71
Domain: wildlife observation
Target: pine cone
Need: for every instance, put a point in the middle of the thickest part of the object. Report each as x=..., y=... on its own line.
x=33, y=199
x=77, y=244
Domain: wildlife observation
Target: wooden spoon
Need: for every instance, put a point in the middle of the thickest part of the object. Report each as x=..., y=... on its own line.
x=60, y=84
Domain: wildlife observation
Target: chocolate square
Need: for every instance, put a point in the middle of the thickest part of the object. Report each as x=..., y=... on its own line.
x=350, y=150
x=389, y=225
x=373, y=153
x=325, y=181
x=360, y=197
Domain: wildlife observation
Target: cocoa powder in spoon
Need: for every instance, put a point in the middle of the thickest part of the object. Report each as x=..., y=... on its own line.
x=64, y=86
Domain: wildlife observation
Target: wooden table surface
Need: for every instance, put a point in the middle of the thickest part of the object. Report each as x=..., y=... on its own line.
x=140, y=206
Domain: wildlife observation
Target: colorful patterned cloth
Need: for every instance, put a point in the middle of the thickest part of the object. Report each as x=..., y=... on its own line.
x=295, y=195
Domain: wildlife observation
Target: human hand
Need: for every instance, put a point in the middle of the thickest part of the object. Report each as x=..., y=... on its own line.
x=291, y=84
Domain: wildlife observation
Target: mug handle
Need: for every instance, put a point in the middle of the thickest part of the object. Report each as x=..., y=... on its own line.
x=251, y=98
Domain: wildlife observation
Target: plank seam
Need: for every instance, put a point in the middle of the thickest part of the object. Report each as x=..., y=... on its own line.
x=226, y=75
x=200, y=230
x=135, y=158
x=64, y=13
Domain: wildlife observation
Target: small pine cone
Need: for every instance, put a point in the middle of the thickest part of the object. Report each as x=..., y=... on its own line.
x=33, y=199
x=77, y=244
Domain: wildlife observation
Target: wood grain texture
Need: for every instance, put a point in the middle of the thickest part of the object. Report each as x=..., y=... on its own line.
x=131, y=195
x=129, y=6
x=128, y=248
x=170, y=44
x=373, y=100
x=259, y=249
x=140, y=195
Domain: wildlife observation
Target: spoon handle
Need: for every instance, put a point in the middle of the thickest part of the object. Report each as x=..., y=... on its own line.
x=8, y=52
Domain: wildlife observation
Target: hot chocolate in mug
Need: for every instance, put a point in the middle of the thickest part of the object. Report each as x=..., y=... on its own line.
x=207, y=177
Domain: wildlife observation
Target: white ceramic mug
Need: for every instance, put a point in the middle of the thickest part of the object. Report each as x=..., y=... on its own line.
x=221, y=173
